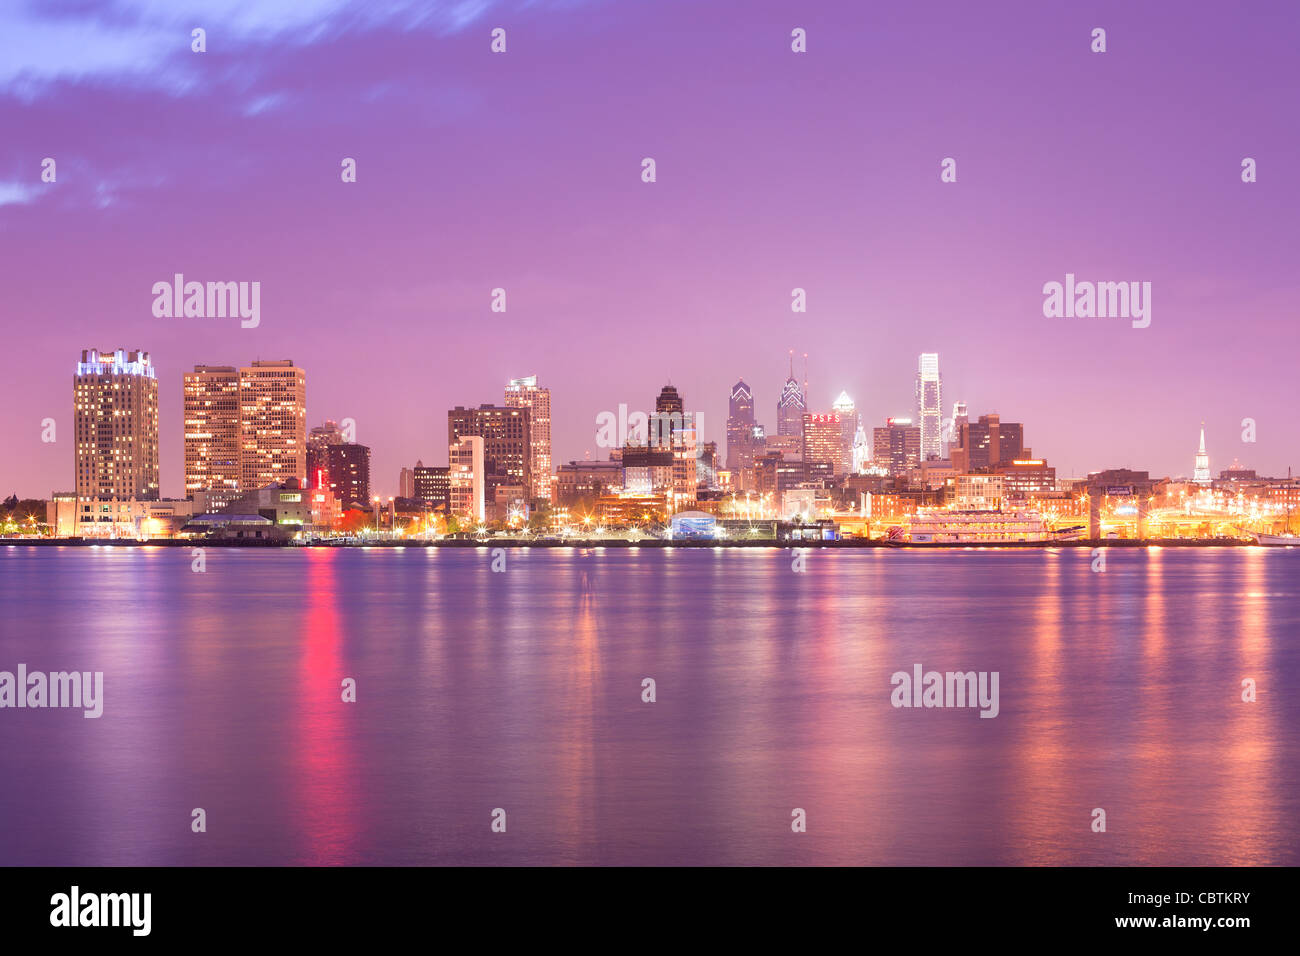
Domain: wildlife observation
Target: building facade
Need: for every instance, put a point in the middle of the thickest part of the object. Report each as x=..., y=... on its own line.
x=211, y=410
x=526, y=393
x=115, y=415
x=897, y=446
x=507, y=442
x=272, y=424
x=929, y=405
x=466, y=478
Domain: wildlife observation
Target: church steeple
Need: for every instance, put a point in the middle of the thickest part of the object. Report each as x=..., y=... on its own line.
x=1201, y=472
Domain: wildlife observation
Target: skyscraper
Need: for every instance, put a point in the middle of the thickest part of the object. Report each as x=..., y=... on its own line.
x=432, y=484
x=929, y=405
x=1201, y=469
x=115, y=403
x=341, y=466
x=822, y=445
x=465, y=473
x=507, y=436
x=673, y=428
x=847, y=412
x=526, y=393
x=989, y=442
x=897, y=446
x=740, y=428
x=791, y=406
x=960, y=418
x=272, y=423
x=211, y=429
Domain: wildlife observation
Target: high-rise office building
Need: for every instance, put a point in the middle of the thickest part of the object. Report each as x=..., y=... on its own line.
x=672, y=428
x=849, y=423
x=211, y=429
x=406, y=483
x=507, y=442
x=929, y=405
x=861, y=450
x=526, y=393
x=989, y=442
x=272, y=423
x=790, y=407
x=115, y=405
x=466, y=467
x=960, y=418
x=897, y=446
x=338, y=464
x=431, y=484
x=740, y=428
x=823, y=448
x=343, y=467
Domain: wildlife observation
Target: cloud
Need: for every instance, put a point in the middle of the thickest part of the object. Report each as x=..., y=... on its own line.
x=12, y=193
x=147, y=42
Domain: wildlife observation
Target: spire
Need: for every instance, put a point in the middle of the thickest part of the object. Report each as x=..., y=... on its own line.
x=1201, y=471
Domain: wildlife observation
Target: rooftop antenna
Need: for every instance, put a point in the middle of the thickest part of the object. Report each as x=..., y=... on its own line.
x=805, y=377
x=792, y=363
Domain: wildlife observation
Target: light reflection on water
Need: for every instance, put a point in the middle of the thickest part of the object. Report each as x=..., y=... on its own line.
x=522, y=690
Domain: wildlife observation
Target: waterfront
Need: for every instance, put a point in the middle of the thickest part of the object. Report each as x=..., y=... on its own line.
x=522, y=690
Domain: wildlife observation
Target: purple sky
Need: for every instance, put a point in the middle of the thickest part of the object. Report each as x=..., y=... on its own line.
x=775, y=170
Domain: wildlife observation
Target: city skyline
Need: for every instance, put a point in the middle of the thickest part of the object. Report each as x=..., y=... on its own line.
x=383, y=288
x=209, y=384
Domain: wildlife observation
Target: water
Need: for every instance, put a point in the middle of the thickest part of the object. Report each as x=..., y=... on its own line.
x=522, y=690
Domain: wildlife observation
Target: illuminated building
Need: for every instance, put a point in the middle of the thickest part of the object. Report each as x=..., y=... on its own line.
x=1027, y=478
x=740, y=428
x=692, y=524
x=629, y=509
x=115, y=405
x=526, y=393
x=211, y=429
x=346, y=468
x=706, y=466
x=647, y=470
x=850, y=425
x=791, y=406
x=978, y=492
x=822, y=446
x=431, y=484
x=929, y=405
x=272, y=423
x=1201, y=471
x=584, y=481
x=960, y=418
x=935, y=472
x=507, y=441
x=775, y=474
x=340, y=465
x=897, y=446
x=989, y=442
x=288, y=504
x=672, y=427
x=861, y=451
x=466, y=477
x=61, y=514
